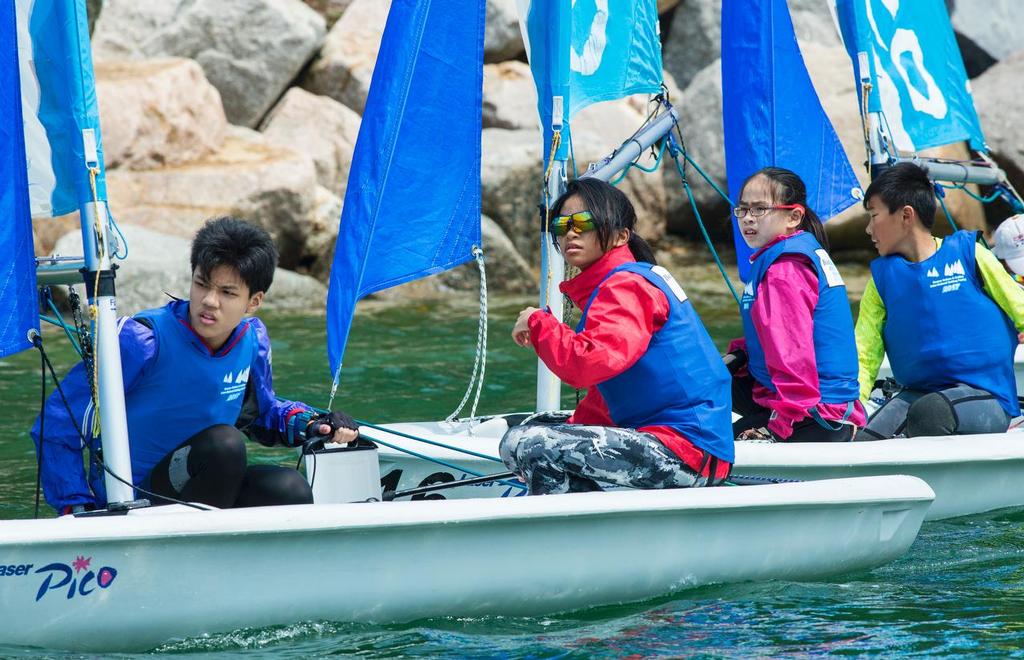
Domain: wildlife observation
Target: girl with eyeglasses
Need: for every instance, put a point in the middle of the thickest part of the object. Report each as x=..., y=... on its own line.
x=657, y=409
x=800, y=379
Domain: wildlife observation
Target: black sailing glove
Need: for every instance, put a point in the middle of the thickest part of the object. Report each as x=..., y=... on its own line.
x=336, y=420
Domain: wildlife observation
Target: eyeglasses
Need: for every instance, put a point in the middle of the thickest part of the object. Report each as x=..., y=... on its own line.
x=760, y=211
x=580, y=222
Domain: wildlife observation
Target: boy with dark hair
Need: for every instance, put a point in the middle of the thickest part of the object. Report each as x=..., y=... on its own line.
x=944, y=311
x=196, y=374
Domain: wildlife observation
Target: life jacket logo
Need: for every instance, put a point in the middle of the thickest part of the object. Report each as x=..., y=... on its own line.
x=953, y=275
x=234, y=384
x=955, y=268
x=79, y=578
x=748, y=295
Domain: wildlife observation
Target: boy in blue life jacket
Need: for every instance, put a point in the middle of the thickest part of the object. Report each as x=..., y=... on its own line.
x=944, y=310
x=196, y=375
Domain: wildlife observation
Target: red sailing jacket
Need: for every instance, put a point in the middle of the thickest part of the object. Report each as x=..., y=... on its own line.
x=620, y=323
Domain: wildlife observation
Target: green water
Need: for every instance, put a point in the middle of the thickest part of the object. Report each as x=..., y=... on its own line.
x=958, y=590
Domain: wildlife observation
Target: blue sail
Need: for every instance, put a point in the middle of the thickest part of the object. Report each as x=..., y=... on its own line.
x=17, y=264
x=772, y=115
x=590, y=51
x=412, y=207
x=61, y=114
x=918, y=79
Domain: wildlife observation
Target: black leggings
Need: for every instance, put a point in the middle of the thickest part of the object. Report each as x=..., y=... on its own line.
x=958, y=410
x=756, y=416
x=210, y=467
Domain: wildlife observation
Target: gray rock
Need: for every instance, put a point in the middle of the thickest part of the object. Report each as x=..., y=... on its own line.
x=1000, y=106
x=158, y=265
x=700, y=110
x=695, y=33
x=157, y=112
x=994, y=25
x=510, y=176
x=319, y=127
x=250, y=49
x=510, y=97
x=502, y=37
x=344, y=66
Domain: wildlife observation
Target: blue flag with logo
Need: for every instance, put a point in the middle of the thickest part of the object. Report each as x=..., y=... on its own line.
x=917, y=74
x=772, y=115
x=18, y=300
x=412, y=207
x=58, y=91
x=587, y=51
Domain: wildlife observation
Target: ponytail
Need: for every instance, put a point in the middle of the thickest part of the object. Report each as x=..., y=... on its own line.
x=789, y=188
x=812, y=223
x=641, y=249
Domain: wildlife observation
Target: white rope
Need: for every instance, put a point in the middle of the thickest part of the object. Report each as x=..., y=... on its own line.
x=480, y=361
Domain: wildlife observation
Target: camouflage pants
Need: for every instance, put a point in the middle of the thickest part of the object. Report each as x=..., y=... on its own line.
x=571, y=458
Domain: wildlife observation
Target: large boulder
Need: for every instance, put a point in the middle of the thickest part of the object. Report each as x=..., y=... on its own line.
x=1000, y=106
x=512, y=176
x=319, y=127
x=247, y=177
x=993, y=25
x=157, y=112
x=343, y=68
x=250, y=49
x=510, y=184
x=510, y=97
x=331, y=10
x=158, y=267
x=695, y=33
x=506, y=270
x=502, y=37
x=700, y=117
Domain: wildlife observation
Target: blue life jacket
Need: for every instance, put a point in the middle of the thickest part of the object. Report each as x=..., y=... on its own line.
x=941, y=328
x=185, y=389
x=835, y=349
x=680, y=382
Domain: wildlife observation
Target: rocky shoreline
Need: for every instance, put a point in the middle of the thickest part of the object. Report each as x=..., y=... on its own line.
x=252, y=108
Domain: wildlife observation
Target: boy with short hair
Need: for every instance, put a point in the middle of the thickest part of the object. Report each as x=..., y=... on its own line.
x=196, y=374
x=944, y=311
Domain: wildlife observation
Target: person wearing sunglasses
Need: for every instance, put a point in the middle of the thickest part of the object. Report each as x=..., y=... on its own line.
x=800, y=379
x=657, y=411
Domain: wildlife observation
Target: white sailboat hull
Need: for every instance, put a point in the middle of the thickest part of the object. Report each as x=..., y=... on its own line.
x=182, y=573
x=969, y=474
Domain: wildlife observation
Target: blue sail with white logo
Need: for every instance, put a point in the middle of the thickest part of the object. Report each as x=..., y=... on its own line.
x=772, y=115
x=917, y=75
x=412, y=207
x=61, y=115
x=17, y=264
x=587, y=51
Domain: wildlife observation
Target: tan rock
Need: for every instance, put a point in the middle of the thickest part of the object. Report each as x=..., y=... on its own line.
x=344, y=66
x=510, y=96
x=318, y=127
x=157, y=112
x=247, y=177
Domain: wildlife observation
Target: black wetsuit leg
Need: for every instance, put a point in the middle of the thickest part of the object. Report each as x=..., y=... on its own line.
x=210, y=467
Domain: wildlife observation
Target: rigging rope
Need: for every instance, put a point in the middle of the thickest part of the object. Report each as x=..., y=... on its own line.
x=480, y=361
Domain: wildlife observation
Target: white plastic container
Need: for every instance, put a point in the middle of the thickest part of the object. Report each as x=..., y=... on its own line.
x=344, y=473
